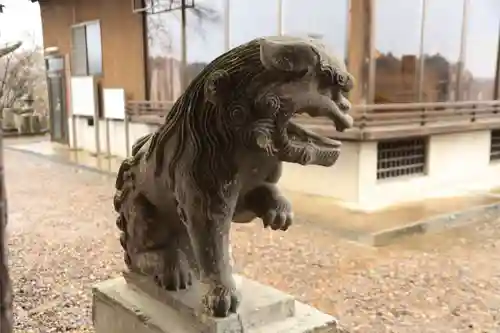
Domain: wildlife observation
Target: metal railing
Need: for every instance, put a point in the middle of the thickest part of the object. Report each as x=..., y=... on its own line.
x=425, y=114
x=371, y=117
x=148, y=108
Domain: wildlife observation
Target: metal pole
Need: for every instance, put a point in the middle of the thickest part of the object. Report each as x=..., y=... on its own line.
x=108, y=138
x=126, y=124
x=73, y=131
x=280, y=17
x=67, y=95
x=5, y=283
x=97, y=131
x=496, y=92
x=227, y=25
x=463, y=49
x=421, y=67
x=183, y=45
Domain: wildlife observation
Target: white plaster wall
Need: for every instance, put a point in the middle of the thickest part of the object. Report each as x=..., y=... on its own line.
x=457, y=164
x=85, y=135
x=340, y=181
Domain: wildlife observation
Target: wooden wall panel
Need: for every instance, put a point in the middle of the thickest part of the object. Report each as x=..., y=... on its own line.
x=121, y=35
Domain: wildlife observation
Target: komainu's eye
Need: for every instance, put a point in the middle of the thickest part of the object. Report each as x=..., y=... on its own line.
x=345, y=81
x=326, y=77
x=341, y=79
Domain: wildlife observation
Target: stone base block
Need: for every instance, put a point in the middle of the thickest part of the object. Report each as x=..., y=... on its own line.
x=132, y=304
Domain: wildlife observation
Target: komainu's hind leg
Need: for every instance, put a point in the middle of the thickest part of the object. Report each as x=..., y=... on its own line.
x=160, y=246
x=176, y=273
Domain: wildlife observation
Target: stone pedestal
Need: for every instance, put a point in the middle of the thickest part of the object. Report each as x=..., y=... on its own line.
x=132, y=304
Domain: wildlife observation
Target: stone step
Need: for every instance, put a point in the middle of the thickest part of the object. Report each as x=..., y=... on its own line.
x=260, y=304
x=121, y=306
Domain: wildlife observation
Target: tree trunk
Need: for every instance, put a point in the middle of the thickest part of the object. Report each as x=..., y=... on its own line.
x=5, y=286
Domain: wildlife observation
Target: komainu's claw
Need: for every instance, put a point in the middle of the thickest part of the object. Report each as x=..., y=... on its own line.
x=221, y=301
x=280, y=217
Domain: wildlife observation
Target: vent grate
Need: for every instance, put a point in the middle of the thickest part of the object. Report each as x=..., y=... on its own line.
x=495, y=145
x=402, y=157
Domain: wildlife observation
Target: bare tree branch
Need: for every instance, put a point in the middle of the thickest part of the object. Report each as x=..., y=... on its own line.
x=9, y=49
x=158, y=32
x=21, y=73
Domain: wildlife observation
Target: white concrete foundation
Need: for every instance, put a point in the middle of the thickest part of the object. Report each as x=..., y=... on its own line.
x=457, y=164
x=86, y=138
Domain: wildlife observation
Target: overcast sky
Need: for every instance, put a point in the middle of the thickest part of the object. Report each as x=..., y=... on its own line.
x=398, y=26
x=20, y=21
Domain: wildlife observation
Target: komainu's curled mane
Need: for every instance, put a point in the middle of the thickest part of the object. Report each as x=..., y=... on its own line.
x=218, y=157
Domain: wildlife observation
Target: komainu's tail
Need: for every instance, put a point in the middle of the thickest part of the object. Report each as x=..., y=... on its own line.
x=124, y=187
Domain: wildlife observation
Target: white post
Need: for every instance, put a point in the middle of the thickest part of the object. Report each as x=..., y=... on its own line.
x=227, y=25
x=280, y=17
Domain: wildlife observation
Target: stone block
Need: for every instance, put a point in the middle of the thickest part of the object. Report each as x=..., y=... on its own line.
x=260, y=304
x=23, y=123
x=36, y=126
x=8, y=119
x=44, y=121
x=134, y=304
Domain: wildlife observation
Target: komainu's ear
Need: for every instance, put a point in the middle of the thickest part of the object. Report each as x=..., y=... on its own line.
x=287, y=56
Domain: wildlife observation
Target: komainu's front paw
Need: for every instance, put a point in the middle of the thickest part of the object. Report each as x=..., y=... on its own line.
x=221, y=301
x=176, y=274
x=280, y=215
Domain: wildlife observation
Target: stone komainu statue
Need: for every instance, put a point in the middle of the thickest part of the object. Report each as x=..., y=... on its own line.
x=218, y=156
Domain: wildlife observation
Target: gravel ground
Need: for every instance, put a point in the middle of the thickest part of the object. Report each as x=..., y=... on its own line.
x=63, y=240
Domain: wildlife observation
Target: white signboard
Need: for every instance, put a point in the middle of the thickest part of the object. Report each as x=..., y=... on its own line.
x=83, y=96
x=114, y=103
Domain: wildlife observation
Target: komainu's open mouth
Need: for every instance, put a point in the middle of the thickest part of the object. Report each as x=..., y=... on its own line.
x=307, y=147
x=300, y=134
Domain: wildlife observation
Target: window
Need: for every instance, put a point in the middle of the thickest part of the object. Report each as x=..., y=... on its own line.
x=250, y=19
x=398, y=26
x=442, y=57
x=86, y=57
x=495, y=145
x=481, y=51
x=164, y=49
x=441, y=49
x=205, y=40
x=205, y=35
x=322, y=19
x=402, y=157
